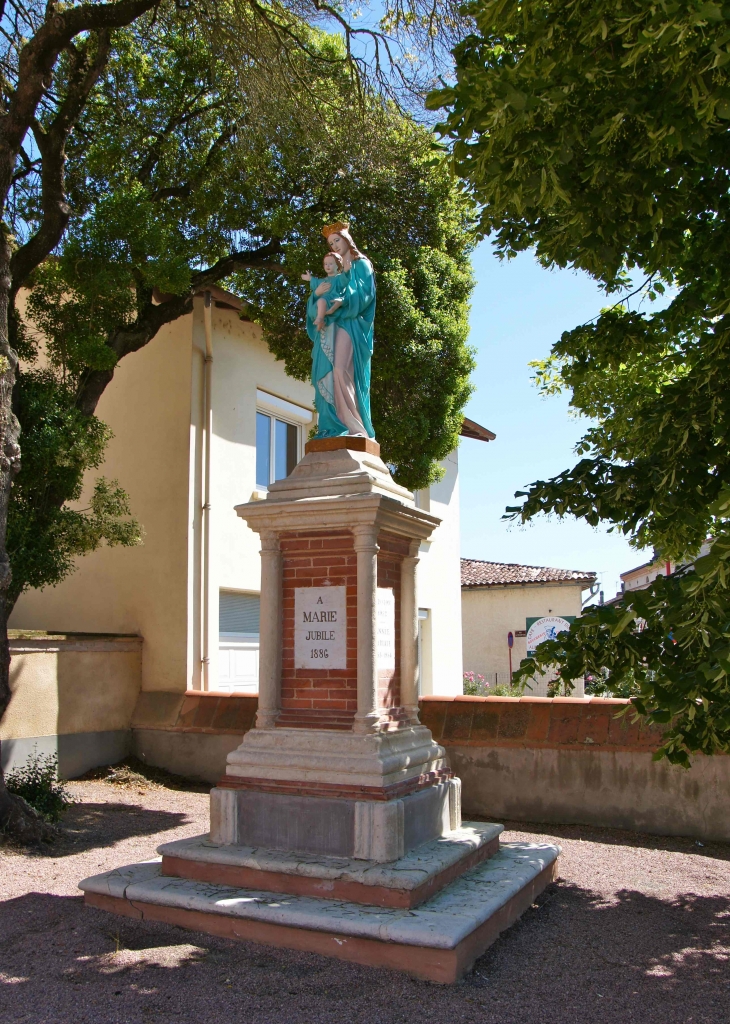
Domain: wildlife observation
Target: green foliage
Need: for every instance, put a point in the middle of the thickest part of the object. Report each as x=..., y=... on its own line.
x=667, y=647
x=597, y=134
x=415, y=226
x=605, y=685
x=44, y=533
x=184, y=155
x=37, y=782
x=475, y=685
x=179, y=159
x=564, y=108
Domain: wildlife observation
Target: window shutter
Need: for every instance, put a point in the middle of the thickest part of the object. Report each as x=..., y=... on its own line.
x=239, y=613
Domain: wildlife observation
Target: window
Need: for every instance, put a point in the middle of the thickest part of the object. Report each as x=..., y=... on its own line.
x=239, y=613
x=280, y=425
x=277, y=448
x=238, y=647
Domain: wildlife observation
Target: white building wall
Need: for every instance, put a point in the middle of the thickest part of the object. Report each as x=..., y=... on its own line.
x=143, y=589
x=242, y=364
x=155, y=407
x=490, y=613
x=439, y=587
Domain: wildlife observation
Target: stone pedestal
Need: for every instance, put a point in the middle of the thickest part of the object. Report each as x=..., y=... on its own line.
x=337, y=825
x=338, y=763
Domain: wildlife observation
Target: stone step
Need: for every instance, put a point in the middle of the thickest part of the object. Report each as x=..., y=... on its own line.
x=405, y=883
x=438, y=941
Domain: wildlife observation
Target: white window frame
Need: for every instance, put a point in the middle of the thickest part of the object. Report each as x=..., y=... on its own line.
x=238, y=642
x=280, y=409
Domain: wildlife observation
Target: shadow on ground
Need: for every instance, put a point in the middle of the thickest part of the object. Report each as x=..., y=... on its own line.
x=87, y=826
x=574, y=957
x=614, y=837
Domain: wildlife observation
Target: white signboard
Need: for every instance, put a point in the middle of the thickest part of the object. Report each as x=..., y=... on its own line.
x=320, y=627
x=386, y=628
x=546, y=628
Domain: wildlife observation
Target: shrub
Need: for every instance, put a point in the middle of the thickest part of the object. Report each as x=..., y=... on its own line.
x=476, y=685
x=37, y=782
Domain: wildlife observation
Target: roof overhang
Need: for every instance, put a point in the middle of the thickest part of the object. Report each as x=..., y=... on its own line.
x=583, y=584
x=470, y=428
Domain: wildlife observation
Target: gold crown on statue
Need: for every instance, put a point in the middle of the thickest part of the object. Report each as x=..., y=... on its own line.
x=336, y=228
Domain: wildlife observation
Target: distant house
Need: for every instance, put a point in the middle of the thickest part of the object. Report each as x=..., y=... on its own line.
x=643, y=575
x=203, y=418
x=529, y=601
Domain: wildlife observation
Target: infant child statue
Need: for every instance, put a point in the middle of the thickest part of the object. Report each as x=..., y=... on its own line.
x=333, y=287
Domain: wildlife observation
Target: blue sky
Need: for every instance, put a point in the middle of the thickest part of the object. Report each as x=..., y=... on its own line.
x=518, y=311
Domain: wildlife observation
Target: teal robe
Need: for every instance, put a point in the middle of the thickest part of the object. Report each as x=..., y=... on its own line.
x=356, y=316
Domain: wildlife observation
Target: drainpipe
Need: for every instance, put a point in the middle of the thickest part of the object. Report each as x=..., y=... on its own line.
x=207, y=434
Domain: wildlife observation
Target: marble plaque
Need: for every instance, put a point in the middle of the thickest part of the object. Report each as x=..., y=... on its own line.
x=386, y=628
x=320, y=627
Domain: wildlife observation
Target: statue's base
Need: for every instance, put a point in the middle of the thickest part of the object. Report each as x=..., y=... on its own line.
x=406, y=882
x=369, y=830
x=336, y=794
x=348, y=441
x=437, y=941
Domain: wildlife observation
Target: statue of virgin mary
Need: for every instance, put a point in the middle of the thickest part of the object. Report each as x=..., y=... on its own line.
x=342, y=340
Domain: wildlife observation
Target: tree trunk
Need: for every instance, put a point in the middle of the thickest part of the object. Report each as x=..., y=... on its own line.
x=16, y=817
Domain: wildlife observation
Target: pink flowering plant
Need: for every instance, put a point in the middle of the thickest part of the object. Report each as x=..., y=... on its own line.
x=475, y=685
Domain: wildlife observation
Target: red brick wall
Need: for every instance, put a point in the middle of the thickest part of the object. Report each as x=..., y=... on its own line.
x=327, y=698
x=565, y=723
x=318, y=698
x=527, y=759
x=562, y=723
x=215, y=713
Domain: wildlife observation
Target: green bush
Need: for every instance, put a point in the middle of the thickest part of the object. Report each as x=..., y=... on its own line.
x=37, y=782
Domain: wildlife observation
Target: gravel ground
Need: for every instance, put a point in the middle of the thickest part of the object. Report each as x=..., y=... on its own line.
x=637, y=929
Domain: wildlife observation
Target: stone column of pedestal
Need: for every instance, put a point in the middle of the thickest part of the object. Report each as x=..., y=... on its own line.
x=270, y=631
x=409, y=634
x=366, y=547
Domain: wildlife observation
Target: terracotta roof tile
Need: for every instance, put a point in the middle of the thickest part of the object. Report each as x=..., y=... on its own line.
x=475, y=573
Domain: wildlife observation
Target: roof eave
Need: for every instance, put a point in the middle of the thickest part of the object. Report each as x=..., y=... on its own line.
x=470, y=428
x=585, y=583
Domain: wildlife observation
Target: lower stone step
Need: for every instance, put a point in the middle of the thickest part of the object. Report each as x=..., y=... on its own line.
x=438, y=941
x=407, y=882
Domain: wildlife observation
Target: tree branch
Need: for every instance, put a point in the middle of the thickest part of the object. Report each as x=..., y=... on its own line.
x=153, y=154
x=28, y=166
x=87, y=66
x=132, y=337
x=37, y=60
x=260, y=258
x=183, y=191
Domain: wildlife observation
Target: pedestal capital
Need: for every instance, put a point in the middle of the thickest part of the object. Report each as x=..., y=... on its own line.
x=365, y=538
x=270, y=540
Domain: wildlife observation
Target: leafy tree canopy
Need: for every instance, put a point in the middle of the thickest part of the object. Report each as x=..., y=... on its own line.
x=184, y=171
x=597, y=134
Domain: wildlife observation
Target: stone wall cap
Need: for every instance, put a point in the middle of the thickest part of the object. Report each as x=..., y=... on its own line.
x=43, y=634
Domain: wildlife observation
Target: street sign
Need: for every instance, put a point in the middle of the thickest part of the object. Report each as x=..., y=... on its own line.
x=510, y=640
